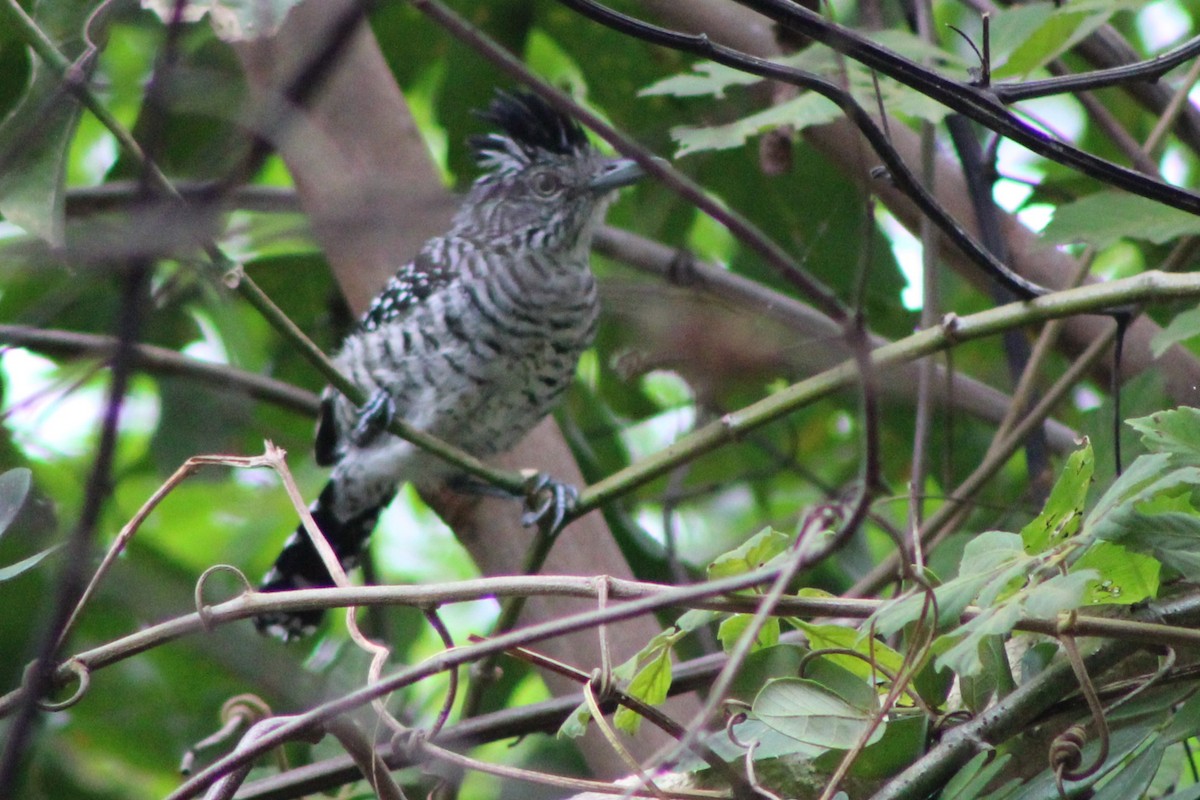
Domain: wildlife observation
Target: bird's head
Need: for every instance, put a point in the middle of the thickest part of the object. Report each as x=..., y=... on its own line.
x=545, y=186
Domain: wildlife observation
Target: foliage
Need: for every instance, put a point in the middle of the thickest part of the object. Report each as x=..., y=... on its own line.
x=835, y=681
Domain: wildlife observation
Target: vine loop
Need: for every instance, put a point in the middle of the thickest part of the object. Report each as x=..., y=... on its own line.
x=84, y=675
x=202, y=609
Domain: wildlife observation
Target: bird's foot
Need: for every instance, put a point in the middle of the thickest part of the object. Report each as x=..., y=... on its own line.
x=373, y=418
x=548, y=502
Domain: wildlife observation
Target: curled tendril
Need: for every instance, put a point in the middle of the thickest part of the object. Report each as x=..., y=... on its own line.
x=1066, y=756
x=731, y=722
x=1066, y=749
x=239, y=709
x=601, y=681
x=202, y=609
x=408, y=743
x=248, y=707
x=84, y=681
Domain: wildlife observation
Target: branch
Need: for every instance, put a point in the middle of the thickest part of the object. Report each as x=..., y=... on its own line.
x=1015, y=712
x=1149, y=70
x=898, y=171
x=463, y=655
x=300, y=88
x=1085, y=300
x=658, y=595
x=671, y=264
x=162, y=361
x=681, y=268
x=971, y=101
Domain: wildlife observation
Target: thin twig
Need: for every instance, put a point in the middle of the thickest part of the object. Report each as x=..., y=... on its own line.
x=162, y=361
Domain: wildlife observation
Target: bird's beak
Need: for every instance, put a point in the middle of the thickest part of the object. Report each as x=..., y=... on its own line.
x=616, y=173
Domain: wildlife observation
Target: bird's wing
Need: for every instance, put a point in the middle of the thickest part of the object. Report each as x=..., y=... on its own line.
x=411, y=284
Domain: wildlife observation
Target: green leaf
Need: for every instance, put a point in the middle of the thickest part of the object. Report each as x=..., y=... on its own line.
x=994, y=679
x=1173, y=538
x=847, y=684
x=974, y=777
x=650, y=685
x=750, y=555
x=1063, y=512
x=1102, y=218
x=706, y=78
x=1134, y=778
x=1144, y=470
x=839, y=637
x=1182, y=327
x=1126, y=577
x=809, y=108
x=732, y=628
x=696, y=618
x=800, y=112
x=1059, y=594
x=1175, y=432
x=1012, y=27
x=952, y=598
x=965, y=648
x=1147, y=508
x=991, y=551
x=661, y=643
x=14, y=488
x=25, y=564
x=1057, y=33
x=1002, y=580
x=576, y=724
x=1185, y=721
x=810, y=713
x=36, y=135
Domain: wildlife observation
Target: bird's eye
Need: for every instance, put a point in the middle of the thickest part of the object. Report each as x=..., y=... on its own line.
x=546, y=184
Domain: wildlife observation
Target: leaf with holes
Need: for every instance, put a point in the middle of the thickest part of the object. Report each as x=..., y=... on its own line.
x=1175, y=432
x=1063, y=512
x=1125, y=577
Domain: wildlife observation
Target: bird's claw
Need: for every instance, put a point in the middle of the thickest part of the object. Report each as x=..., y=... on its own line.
x=373, y=418
x=548, y=502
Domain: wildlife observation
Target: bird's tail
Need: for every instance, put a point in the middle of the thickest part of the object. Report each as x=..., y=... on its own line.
x=299, y=566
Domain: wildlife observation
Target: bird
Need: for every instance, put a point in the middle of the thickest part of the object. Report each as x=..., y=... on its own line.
x=473, y=341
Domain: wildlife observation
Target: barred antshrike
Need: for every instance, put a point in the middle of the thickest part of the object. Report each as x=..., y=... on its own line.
x=473, y=341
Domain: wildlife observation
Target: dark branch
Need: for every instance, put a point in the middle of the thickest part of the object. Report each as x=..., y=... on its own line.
x=899, y=172
x=1149, y=70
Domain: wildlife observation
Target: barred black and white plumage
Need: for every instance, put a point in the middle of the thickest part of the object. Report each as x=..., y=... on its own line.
x=474, y=340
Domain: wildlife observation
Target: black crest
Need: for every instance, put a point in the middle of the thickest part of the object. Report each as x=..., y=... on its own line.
x=528, y=124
